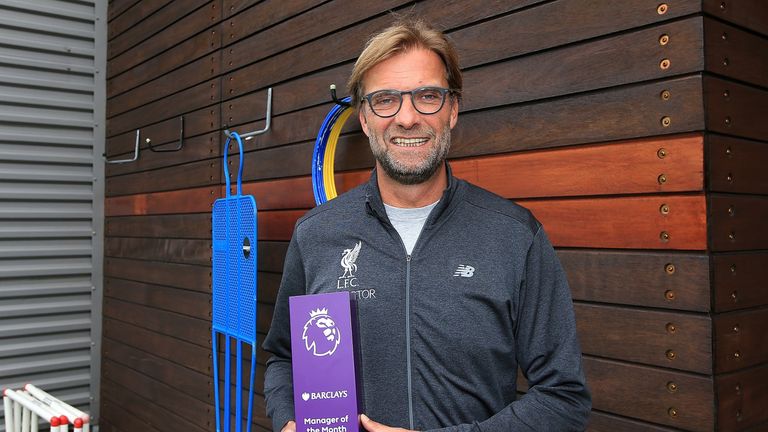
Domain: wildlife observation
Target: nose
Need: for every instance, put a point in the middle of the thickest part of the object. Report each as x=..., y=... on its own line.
x=407, y=117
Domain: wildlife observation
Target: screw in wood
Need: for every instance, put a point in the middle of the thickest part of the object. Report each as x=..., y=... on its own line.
x=671, y=328
x=669, y=295
x=664, y=236
x=664, y=39
x=669, y=268
x=671, y=354
x=671, y=387
x=665, y=64
x=664, y=209
x=662, y=9
x=666, y=121
x=672, y=412
x=662, y=178
x=666, y=95
x=662, y=153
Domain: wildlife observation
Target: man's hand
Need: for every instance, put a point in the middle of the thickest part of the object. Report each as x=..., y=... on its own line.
x=372, y=426
x=289, y=427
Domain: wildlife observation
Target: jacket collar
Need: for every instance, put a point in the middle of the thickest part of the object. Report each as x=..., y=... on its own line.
x=375, y=205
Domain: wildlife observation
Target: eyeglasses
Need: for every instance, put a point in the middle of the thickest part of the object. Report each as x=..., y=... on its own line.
x=426, y=100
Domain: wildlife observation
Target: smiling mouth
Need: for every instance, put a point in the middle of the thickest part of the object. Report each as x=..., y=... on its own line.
x=409, y=142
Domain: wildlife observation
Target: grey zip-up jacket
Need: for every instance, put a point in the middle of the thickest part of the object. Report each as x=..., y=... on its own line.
x=442, y=331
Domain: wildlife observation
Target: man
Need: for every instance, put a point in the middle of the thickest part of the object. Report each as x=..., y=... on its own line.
x=455, y=287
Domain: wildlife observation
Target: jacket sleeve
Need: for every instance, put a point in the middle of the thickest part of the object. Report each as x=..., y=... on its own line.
x=278, y=378
x=547, y=352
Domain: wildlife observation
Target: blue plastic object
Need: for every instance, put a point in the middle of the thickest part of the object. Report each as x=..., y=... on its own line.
x=318, y=155
x=234, y=290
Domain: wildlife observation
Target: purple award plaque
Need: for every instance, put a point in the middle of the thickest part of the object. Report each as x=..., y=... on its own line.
x=324, y=386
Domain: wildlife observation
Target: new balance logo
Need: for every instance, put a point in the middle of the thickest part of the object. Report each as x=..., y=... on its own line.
x=464, y=271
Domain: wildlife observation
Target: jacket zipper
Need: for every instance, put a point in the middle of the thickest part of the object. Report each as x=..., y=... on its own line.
x=408, y=336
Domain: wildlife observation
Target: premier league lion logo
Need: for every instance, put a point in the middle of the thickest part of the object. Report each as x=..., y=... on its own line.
x=321, y=336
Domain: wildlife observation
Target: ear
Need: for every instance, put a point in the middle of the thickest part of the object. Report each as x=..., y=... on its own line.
x=363, y=121
x=454, y=111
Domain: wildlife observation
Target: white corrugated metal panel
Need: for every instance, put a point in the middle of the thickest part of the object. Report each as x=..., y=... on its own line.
x=51, y=108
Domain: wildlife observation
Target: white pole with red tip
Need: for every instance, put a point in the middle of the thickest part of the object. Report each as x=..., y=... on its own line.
x=78, y=425
x=8, y=410
x=71, y=412
x=22, y=400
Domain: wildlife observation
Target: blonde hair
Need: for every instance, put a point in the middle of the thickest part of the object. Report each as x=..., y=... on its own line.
x=403, y=36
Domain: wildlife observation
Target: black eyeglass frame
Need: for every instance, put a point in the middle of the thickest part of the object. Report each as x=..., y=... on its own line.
x=443, y=92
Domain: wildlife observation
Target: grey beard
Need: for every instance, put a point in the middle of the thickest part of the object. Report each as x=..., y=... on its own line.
x=412, y=176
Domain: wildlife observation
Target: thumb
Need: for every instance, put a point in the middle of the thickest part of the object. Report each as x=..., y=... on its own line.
x=370, y=425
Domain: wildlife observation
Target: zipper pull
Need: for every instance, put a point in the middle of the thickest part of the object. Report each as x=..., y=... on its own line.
x=408, y=258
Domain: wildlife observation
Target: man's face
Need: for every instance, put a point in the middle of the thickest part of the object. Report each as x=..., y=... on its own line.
x=409, y=147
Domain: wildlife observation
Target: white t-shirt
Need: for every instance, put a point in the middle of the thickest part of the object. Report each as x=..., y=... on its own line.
x=408, y=222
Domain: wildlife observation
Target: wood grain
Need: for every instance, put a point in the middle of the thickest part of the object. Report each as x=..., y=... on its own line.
x=181, y=251
x=742, y=399
x=735, y=109
x=658, y=280
x=736, y=53
x=642, y=392
x=738, y=280
x=752, y=14
x=737, y=222
x=193, y=200
x=740, y=339
x=737, y=165
x=189, y=226
x=627, y=222
x=185, y=276
x=666, y=339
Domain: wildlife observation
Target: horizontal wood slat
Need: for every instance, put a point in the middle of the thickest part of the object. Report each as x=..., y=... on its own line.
x=185, y=302
x=742, y=399
x=155, y=17
x=183, y=405
x=193, y=383
x=630, y=222
x=678, y=341
x=752, y=14
x=194, y=200
x=736, y=109
x=193, y=48
x=737, y=165
x=659, y=280
x=739, y=280
x=175, y=33
x=738, y=222
x=182, y=251
x=736, y=53
x=511, y=33
x=603, y=422
x=162, y=323
x=185, y=276
x=585, y=118
x=201, y=70
x=132, y=16
x=595, y=64
x=618, y=167
x=184, y=353
x=643, y=393
x=740, y=339
x=200, y=96
x=117, y=405
x=295, y=32
x=189, y=226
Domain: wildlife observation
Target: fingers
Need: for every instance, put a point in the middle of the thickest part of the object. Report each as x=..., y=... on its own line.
x=289, y=427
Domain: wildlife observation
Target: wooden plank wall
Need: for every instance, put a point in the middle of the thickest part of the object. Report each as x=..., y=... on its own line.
x=632, y=130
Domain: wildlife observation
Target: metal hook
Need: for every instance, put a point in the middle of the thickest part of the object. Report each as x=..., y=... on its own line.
x=336, y=99
x=175, y=149
x=250, y=135
x=135, y=152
